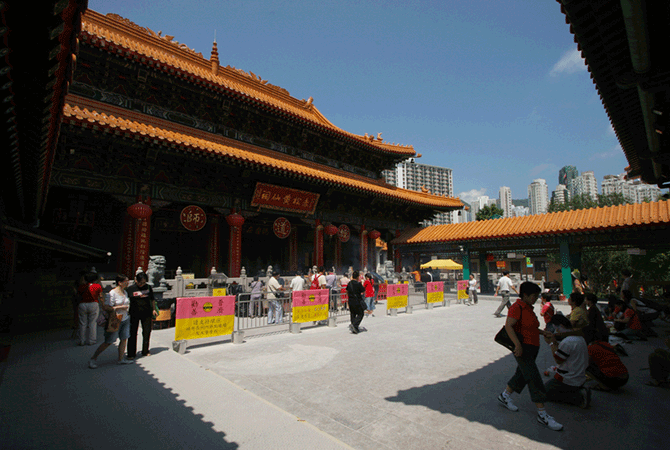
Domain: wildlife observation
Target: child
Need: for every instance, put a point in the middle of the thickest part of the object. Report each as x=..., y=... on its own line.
x=548, y=310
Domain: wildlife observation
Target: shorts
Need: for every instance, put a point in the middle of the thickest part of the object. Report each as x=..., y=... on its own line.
x=122, y=333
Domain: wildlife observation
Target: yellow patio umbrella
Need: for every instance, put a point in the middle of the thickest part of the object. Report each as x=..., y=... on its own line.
x=446, y=264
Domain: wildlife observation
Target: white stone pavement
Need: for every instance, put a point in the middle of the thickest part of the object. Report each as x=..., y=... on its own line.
x=426, y=380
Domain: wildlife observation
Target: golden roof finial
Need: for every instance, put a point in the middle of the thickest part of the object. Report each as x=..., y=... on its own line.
x=215, y=58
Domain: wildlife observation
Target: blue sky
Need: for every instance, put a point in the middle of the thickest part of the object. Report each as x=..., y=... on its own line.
x=494, y=90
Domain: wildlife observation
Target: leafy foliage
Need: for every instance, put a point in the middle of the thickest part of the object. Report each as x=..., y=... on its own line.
x=489, y=212
x=584, y=201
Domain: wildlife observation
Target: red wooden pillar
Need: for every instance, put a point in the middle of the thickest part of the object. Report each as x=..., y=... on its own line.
x=235, y=245
x=318, y=244
x=293, y=249
x=338, y=252
x=142, y=241
x=126, y=254
x=397, y=260
x=214, y=244
x=364, y=247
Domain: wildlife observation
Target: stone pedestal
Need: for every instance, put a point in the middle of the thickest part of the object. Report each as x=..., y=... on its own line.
x=294, y=328
x=179, y=346
x=332, y=322
x=393, y=312
x=238, y=337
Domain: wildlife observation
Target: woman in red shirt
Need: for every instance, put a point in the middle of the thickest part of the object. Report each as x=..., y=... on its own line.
x=605, y=367
x=522, y=325
x=369, y=286
x=633, y=325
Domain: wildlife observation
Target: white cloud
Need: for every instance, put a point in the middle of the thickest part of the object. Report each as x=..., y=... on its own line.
x=472, y=195
x=570, y=62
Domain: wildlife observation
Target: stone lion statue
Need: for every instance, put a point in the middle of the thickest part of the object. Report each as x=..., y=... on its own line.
x=156, y=270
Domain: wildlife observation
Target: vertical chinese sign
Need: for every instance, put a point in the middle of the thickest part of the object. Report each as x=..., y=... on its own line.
x=310, y=306
x=435, y=292
x=396, y=296
x=199, y=317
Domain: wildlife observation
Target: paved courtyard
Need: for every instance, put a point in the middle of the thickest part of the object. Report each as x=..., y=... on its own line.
x=426, y=380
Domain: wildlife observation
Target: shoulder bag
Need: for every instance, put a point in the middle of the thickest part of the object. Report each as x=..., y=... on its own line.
x=503, y=338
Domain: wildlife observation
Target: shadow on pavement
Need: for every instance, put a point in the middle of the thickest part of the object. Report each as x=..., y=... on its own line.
x=633, y=417
x=49, y=398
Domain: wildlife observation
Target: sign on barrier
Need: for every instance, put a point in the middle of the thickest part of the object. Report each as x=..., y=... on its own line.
x=200, y=317
x=462, y=286
x=310, y=305
x=435, y=292
x=396, y=296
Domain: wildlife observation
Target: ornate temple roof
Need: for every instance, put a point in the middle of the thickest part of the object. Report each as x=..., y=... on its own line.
x=92, y=114
x=578, y=221
x=125, y=38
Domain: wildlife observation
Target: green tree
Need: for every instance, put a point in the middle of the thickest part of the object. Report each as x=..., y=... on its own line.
x=584, y=201
x=489, y=212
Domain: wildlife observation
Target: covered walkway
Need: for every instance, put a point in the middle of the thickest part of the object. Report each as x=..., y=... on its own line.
x=644, y=225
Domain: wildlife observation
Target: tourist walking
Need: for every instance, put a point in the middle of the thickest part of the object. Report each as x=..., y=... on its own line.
x=275, y=310
x=143, y=309
x=472, y=289
x=116, y=308
x=522, y=323
x=255, y=304
x=369, y=286
x=504, y=286
x=355, y=291
x=90, y=293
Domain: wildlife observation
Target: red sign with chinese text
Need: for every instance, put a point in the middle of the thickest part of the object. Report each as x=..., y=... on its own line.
x=284, y=199
x=281, y=227
x=193, y=218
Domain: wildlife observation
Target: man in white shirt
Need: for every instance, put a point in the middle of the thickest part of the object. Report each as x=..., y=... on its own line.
x=298, y=283
x=275, y=309
x=331, y=285
x=504, y=286
x=572, y=357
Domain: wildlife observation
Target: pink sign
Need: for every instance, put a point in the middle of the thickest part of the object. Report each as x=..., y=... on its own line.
x=310, y=297
x=397, y=290
x=196, y=307
x=435, y=286
x=462, y=285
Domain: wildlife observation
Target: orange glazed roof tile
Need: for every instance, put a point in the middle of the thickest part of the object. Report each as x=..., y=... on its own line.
x=86, y=112
x=116, y=33
x=579, y=221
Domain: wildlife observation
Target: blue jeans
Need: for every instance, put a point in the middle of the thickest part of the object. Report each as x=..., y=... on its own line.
x=560, y=392
x=370, y=303
x=122, y=333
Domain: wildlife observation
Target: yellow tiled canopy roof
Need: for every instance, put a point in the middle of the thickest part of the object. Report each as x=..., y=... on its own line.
x=90, y=113
x=122, y=36
x=578, y=221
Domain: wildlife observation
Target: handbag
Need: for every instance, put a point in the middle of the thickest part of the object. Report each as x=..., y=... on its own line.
x=114, y=323
x=503, y=338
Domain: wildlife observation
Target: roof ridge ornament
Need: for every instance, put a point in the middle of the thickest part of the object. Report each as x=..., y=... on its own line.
x=167, y=38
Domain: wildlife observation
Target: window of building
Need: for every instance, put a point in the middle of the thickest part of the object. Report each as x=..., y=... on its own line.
x=515, y=266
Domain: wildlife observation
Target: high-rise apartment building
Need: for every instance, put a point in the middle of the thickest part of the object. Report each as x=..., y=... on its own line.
x=633, y=191
x=505, y=200
x=414, y=176
x=566, y=174
x=538, y=196
x=585, y=184
x=560, y=195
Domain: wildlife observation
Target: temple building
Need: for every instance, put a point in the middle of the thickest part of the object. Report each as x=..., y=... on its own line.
x=162, y=151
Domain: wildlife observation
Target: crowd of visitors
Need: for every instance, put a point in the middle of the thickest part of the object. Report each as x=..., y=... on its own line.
x=587, y=356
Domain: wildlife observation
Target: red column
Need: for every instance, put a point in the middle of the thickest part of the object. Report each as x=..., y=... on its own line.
x=397, y=260
x=235, y=246
x=214, y=244
x=364, y=247
x=318, y=244
x=293, y=249
x=126, y=254
x=338, y=252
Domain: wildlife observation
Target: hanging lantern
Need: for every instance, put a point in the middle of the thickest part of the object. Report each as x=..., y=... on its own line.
x=139, y=211
x=331, y=230
x=374, y=235
x=235, y=220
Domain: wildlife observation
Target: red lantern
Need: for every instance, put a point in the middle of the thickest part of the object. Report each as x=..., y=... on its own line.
x=374, y=235
x=139, y=211
x=235, y=220
x=331, y=230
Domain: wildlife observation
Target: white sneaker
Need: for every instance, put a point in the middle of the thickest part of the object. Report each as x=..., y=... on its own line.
x=92, y=364
x=586, y=397
x=125, y=361
x=507, y=403
x=548, y=421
